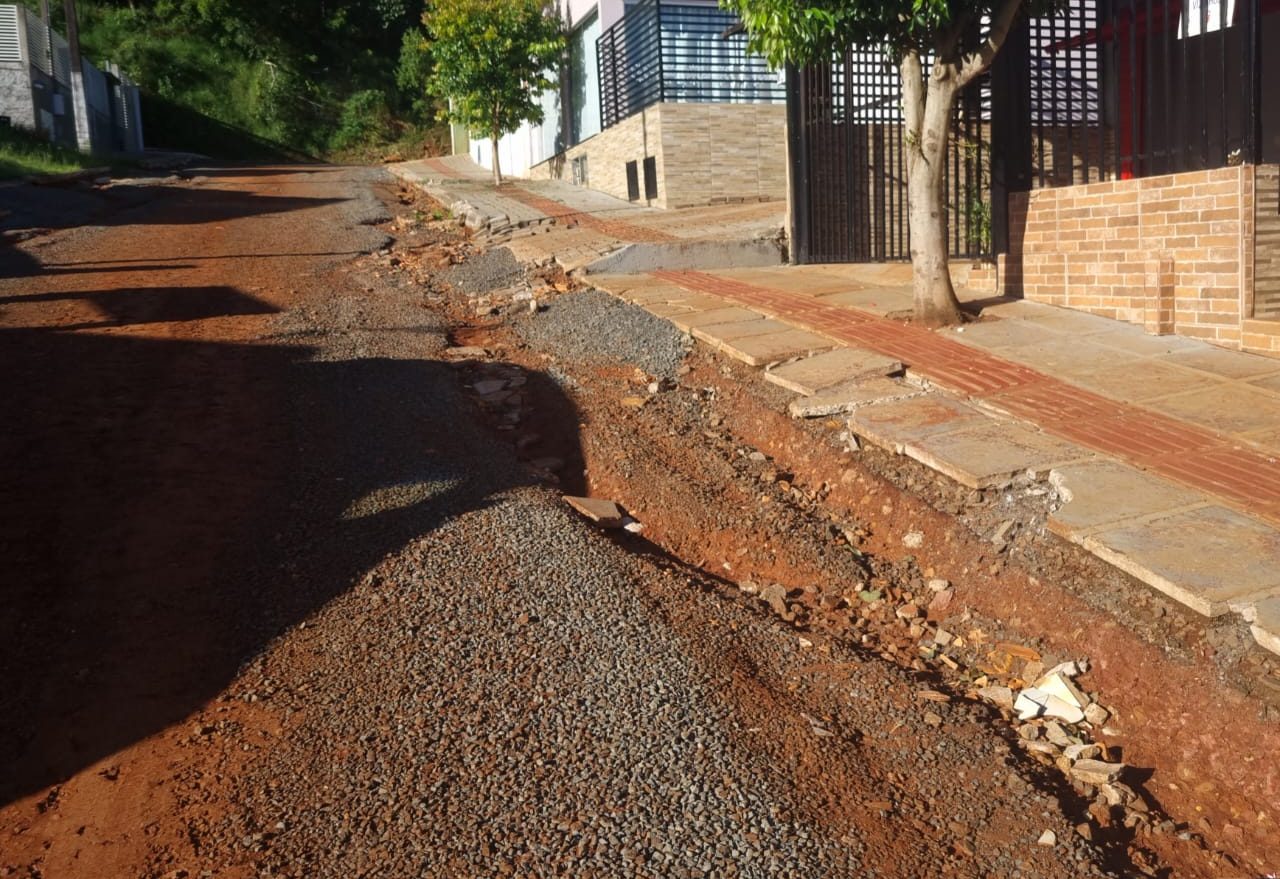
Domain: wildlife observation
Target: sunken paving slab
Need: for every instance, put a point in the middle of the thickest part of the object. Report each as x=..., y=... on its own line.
x=838, y=367
x=993, y=454
x=1212, y=559
x=1266, y=623
x=770, y=348
x=852, y=395
x=896, y=424
x=1102, y=492
x=718, y=334
x=728, y=314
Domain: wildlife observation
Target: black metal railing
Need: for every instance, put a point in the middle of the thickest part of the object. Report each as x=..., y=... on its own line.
x=1135, y=88
x=664, y=51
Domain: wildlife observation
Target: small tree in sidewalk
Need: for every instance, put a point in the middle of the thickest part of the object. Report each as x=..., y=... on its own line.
x=491, y=62
x=961, y=36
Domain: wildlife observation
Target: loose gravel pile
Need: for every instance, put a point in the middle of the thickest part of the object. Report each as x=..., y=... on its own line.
x=594, y=327
x=486, y=271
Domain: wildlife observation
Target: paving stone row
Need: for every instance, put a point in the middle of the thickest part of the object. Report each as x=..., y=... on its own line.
x=619, y=229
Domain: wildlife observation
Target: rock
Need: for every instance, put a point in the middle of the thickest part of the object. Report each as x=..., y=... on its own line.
x=996, y=695
x=1085, y=830
x=1096, y=714
x=932, y=719
x=633, y=402
x=775, y=596
x=942, y=600
x=1096, y=772
x=942, y=637
x=908, y=612
x=913, y=539
x=939, y=585
x=1056, y=734
x=1028, y=732
x=466, y=352
x=1001, y=534
x=602, y=512
x=1055, y=683
x=485, y=387
x=1032, y=702
x=1048, y=838
x=1082, y=752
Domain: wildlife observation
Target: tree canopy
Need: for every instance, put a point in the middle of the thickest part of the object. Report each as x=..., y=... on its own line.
x=492, y=61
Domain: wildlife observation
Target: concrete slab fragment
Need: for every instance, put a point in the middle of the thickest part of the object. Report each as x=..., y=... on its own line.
x=1228, y=364
x=726, y=315
x=838, y=367
x=893, y=425
x=1211, y=559
x=1100, y=493
x=852, y=395
x=716, y=334
x=772, y=347
x=1266, y=623
x=992, y=454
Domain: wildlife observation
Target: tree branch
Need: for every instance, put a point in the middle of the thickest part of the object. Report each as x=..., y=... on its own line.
x=975, y=63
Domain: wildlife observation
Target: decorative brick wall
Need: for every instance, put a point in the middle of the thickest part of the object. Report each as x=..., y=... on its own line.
x=705, y=154
x=1173, y=253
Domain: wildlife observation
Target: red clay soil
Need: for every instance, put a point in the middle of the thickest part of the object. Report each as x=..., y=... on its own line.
x=140, y=436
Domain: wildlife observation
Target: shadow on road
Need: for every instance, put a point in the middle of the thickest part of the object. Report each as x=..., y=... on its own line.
x=168, y=507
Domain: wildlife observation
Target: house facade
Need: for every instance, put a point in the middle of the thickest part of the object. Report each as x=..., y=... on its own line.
x=657, y=104
x=1120, y=158
x=94, y=110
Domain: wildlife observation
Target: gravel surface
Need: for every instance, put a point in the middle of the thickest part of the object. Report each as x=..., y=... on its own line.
x=595, y=327
x=484, y=272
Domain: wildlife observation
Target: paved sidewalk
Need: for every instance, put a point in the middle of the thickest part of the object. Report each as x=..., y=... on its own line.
x=1166, y=448
x=586, y=230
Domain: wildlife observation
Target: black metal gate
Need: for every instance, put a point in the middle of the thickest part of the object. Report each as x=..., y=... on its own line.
x=849, y=165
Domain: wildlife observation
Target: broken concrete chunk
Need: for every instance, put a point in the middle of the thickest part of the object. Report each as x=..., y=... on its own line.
x=1096, y=714
x=1032, y=702
x=1082, y=752
x=1048, y=838
x=1096, y=772
x=1058, y=684
x=1001, y=696
x=602, y=512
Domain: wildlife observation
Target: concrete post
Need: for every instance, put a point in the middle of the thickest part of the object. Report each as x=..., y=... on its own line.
x=79, y=98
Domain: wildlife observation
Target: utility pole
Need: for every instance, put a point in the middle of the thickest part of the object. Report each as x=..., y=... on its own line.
x=79, y=98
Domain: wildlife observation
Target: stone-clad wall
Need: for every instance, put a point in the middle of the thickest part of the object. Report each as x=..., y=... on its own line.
x=705, y=154
x=1173, y=253
x=15, y=95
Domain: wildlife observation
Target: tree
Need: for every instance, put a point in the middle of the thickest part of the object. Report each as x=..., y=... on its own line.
x=962, y=36
x=491, y=61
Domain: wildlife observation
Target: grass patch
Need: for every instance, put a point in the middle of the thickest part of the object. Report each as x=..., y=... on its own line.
x=22, y=154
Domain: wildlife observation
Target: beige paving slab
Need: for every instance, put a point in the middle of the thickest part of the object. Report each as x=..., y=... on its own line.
x=1099, y=493
x=726, y=315
x=1267, y=383
x=792, y=279
x=992, y=454
x=718, y=334
x=852, y=395
x=1234, y=408
x=1266, y=624
x=877, y=300
x=996, y=334
x=1066, y=356
x=841, y=366
x=1073, y=323
x=893, y=425
x=1147, y=380
x=1211, y=559
x=1228, y=364
x=771, y=347
x=1130, y=338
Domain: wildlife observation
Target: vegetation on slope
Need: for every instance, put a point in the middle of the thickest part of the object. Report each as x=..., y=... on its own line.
x=247, y=78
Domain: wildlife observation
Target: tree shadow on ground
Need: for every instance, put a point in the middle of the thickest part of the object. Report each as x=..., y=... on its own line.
x=169, y=507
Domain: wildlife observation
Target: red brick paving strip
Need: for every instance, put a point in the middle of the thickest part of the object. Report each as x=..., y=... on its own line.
x=613, y=228
x=1194, y=456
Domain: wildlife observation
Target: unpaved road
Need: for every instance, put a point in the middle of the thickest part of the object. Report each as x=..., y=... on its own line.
x=280, y=600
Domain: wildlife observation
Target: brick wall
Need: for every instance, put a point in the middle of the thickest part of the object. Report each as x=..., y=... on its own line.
x=705, y=154
x=1173, y=253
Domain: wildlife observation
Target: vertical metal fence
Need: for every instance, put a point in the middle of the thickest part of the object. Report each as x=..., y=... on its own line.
x=662, y=51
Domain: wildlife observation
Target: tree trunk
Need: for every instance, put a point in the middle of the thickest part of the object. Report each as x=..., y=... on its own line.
x=497, y=169
x=928, y=111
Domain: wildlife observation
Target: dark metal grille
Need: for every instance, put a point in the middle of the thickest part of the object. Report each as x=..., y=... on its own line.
x=633, y=181
x=650, y=177
x=675, y=52
x=1134, y=88
x=849, y=164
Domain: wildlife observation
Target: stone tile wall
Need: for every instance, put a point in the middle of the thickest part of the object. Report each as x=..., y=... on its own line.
x=705, y=154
